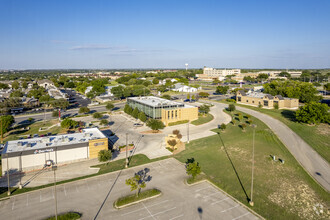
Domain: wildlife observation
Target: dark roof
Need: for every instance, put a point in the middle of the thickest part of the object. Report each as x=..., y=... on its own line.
x=269, y=96
x=279, y=97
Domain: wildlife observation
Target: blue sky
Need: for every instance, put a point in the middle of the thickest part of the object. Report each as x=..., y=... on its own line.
x=164, y=34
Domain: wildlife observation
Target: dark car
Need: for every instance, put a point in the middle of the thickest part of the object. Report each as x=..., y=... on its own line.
x=186, y=100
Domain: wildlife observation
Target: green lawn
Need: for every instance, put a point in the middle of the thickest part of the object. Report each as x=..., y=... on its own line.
x=316, y=136
x=281, y=191
x=202, y=119
x=178, y=122
x=136, y=160
x=133, y=198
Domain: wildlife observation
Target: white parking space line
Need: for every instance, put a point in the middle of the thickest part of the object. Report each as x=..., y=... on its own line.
x=241, y=216
x=127, y=213
x=203, y=188
x=211, y=195
x=230, y=208
x=176, y=217
x=219, y=201
x=148, y=211
x=158, y=213
x=64, y=190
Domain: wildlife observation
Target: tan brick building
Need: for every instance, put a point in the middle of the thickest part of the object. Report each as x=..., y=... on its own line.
x=162, y=109
x=266, y=100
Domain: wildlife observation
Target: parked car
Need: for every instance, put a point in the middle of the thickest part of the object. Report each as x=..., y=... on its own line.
x=186, y=100
x=35, y=135
x=138, y=125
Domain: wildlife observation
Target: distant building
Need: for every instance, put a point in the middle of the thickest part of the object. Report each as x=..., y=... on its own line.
x=266, y=100
x=45, y=83
x=34, y=153
x=183, y=88
x=220, y=74
x=165, y=110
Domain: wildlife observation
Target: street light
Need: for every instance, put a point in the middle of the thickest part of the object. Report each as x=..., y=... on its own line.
x=8, y=182
x=54, y=168
x=188, y=132
x=251, y=200
x=126, y=162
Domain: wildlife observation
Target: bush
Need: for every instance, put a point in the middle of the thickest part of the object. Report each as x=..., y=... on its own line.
x=104, y=155
x=231, y=100
x=109, y=106
x=104, y=122
x=276, y=105
x=166, y=97
x=135, y=113
x=203, y=94
x=204, y=109
x=223, y=126
x=249, y=121
x=178, y=122
x=155, y=124
x=142, y=116
x=233, y=122
x=69, y=123
x=97, y=115
x=231, y=107
x=176, y=132
x=313, y=113
x=172, y=142
x=260, y=106
x=84, y=110
x=243, y=126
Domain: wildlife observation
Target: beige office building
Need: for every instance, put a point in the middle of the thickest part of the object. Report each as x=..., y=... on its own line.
x=211, y=73
x=266, y=100
x=162, y=109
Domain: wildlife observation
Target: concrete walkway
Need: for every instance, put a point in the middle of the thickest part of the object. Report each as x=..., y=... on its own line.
x=313, y=163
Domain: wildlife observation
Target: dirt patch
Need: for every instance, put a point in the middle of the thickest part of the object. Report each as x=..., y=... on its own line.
x=181, y=147
x=151, y=132
x=324, y=129
x=300, y=199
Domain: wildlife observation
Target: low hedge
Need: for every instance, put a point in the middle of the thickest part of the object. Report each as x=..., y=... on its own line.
x=178, y=122
x=67, y=216
x=133, y=198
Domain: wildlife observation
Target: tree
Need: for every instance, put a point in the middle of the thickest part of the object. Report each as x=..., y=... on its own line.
x=68, y=123
x=135, y=113
x=166, y=97
x=69, y=84
x=192, y=167
x=16, y=93
x=109, y=106
x=327, y=86
x=104, y=155
x=223, y=126
x=7, y=121
x=285, y=74
x=172, y=142
x=118, y=91
x=193, y=97
x=188, y=96
x=313, y=113
x=138, y=181
x=276, y=105
x=45, y=98
x=222, y=89
x=15, y=85
x=142, y=116
x=203, y=94
x=4, y=86
x=205, y=109
x=84, y=110
x=155, y=124
x=24, y=85
x=262, y=77
x=97, y=115
x=243, y=126
x=60, y=103
x=155, y=81
x=162, y=88
x=231, y=107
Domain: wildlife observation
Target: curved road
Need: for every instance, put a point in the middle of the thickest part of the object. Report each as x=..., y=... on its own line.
x=313, y=163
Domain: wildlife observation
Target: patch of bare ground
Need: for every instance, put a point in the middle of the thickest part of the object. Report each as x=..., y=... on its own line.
x=324, y=129
x=181, y=147
x=299, y=198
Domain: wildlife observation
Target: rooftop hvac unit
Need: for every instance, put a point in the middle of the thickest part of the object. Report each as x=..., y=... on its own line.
x=45, y=139
x=29, y=144
x=19, y=143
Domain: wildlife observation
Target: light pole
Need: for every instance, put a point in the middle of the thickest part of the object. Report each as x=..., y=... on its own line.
x=8, y=182
x=126, y=162
x=54, y=169
x=188, y=132
x=251, y=200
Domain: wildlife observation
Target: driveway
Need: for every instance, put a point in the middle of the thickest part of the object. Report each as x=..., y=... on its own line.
x=313, y=163
x=94, y=198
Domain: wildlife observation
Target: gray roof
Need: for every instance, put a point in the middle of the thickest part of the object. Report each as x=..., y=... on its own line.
x=158, y=102
x=279, y=97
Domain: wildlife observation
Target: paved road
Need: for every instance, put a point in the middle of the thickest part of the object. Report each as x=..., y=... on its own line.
x=315, y=165
x=94, y=198
x=39, y=117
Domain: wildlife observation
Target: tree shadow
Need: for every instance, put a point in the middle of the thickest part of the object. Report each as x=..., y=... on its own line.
x=232, y=164
x=288, y=114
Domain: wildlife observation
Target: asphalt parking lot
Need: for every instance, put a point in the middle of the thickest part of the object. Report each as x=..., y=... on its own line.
x=94, y=198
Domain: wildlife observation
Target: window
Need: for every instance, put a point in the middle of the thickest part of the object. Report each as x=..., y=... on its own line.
x=239, y=99
x=247, y=100
x=252, y=101
x=265, y=103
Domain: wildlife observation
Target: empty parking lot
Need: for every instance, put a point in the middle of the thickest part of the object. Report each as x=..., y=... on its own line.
x=94, y=198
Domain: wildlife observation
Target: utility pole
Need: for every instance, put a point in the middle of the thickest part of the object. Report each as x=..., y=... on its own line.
x=8, y=182
x=126, y=162
x=251, y=199
x=54, y=169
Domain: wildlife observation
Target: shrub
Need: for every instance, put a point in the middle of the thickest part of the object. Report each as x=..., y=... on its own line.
x=172, y=142
x=260, y=106
x=97, y=115
x=155, y=124
x=84, y=110
x=104, y=122
x=203, y=94
x=104, y=155
x=276, y=105
x=166, y=97
x=249, y=121
x=231, y=107
x=223, y=126
x=231, y=100
x=192, y=167
x=204, y=109
x=142, y=116
x=233, y=122
x=313, y=113
x=135, y=113
x=243, y=126
x=68, y=123
x=109, y=106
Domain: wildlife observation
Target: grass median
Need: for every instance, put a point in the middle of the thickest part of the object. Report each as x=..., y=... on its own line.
x=202, y=119
x=132, y=199
x=281, y=191
x=67, y=216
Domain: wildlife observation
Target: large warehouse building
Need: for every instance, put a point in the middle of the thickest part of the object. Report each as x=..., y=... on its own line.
x=165, y=110
x=34, y=153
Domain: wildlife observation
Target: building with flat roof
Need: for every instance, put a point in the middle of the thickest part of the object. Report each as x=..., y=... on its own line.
x=220, y=74
x=265, y=100
x=34, y=153
x=162, y=109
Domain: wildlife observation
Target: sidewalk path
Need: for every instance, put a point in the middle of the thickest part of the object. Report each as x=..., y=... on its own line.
x=313, y=163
